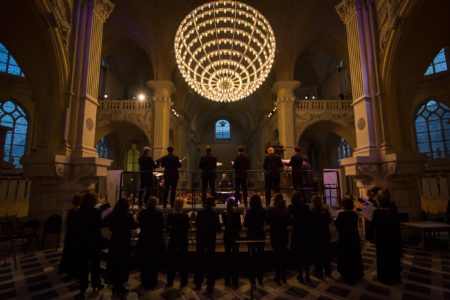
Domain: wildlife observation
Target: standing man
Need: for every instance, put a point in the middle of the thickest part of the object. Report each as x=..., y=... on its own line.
x=208, y=164
x=296, y=163
x=170, y=163
x=272, y=165
x=146, y=167
x=241, y=164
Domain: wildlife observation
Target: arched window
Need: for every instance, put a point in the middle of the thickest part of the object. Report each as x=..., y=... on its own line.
x=223, y=130
x=439, y=63
x=15, y=120
x=343, y=150
x=103, y=147
x=433, y=129
x=132, y=158
x=8, y=64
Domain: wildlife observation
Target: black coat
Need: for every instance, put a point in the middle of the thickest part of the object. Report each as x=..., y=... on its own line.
x=89, y=226
x=254, y=221
x=278, y=226
x=232, y=224
x=350, y=263
x=301, y=228
x=296, y=162
x=170, y=163
x=241, y=165
x=272, y=164
x=208, y=165
x=151, y=235
x=208, y=224
x=178, y=226
x=69, y=258
x=320, y=219
x=147, y=165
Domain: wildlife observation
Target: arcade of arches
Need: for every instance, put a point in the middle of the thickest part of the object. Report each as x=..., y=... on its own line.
x=359, y=85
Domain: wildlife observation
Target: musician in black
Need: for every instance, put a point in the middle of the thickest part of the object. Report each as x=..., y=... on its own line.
x=296, y=163
x=208, y=164
x=170, y=163
x=241, y=164
x=146, y=167
x=272, y=165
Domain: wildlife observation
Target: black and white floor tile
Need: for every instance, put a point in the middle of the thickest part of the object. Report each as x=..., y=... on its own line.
x=426, y=275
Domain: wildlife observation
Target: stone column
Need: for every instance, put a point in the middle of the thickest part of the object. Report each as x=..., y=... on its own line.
x=162, y=102
x=285, y=111
x=56, y=177
x=374, y=161
x=88, y=19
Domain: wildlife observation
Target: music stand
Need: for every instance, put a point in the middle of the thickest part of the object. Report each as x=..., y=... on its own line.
x=251, y=244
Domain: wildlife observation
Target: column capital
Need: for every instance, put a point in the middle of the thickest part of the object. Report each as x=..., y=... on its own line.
x=285, y=88
x=346, y=9
x=104, y=8
x=162, y=88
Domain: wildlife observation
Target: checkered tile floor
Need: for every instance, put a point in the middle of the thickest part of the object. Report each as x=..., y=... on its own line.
x=426, y=275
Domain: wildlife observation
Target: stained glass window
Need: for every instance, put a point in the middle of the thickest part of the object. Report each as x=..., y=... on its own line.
x=223, y=130
x=133, y=158
x=8, y=64
x=14, y=118
x=103, y=147
x=439, y=63
x=343, y=150
x=433, y=129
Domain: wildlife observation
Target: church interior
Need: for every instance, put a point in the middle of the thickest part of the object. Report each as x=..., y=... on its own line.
x=361, y=87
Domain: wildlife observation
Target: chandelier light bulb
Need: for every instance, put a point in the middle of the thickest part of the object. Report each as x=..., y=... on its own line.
x=225, y=50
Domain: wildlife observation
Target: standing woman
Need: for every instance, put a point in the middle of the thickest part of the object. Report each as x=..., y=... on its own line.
x=278, y=219
x=320, y=237
x=254, y=221
x=387, y=240
x=90, y=240
x=350, y=263
x=121, y=223
x=301, y=235
x=150, y=244
x=232, y=223
x=69, y=258
x=178, y=227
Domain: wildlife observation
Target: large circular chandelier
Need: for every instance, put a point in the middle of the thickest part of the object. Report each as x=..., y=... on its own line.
x=225, y=50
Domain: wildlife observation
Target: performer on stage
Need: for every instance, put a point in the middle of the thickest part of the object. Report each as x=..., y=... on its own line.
x=208, y=164
x=170, y=163
x=296, y=163
x=146, y=167
x=241, y=164
x=272, y=165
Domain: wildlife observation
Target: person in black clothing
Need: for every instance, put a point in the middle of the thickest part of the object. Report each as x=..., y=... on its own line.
x=254, y=221
x=241, y=164
x=146, y=167
x=90, y=239
x=208, y=164
x=69, y=257
x=320, y=241
x=369, y=232
x=121, y=224
x=150, y=244
x=232, y=223
x=387, y=241
x=178, y=228
x=301, y=235
x=170, y=163
x=208, y=225
x=296, y=163
x=307, y=179
x=350, y=263
x=278, y=219
x=272, y=164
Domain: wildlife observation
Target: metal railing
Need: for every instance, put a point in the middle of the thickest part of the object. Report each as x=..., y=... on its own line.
x=189, y=186
x=325, y=104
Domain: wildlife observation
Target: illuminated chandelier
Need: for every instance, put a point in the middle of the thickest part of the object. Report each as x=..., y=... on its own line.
x=225, y=50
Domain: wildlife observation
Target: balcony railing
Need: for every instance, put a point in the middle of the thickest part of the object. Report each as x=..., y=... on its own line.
x=325, y=104
x=124, y=105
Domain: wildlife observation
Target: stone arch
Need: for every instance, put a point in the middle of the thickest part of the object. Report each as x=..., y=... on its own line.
x=46, y=71
x=338, y=127
x=402, y=69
